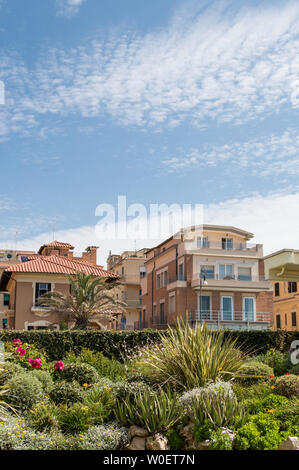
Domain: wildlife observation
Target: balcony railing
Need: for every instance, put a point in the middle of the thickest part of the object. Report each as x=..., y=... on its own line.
x=226, y=246
x=140, y=325
x=220, y=316
x=229, y=277
x=179, y=277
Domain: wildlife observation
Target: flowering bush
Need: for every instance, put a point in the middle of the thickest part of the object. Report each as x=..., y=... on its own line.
x=110, y=437
x=59, y=366
x=66, y=392
x=27, y=355
x=287, y=385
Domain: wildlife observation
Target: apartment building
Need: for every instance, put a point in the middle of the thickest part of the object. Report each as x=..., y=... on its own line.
x=129, y=266
x=210, y=274
x=33, y=274
x=282, y=267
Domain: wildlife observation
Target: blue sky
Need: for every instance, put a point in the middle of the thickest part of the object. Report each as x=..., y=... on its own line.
x=163, y=101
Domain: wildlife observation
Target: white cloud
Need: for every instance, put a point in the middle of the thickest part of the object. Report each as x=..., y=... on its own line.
x=212, y=65
x=273, y=154
x=68, y=8
x=271, y=218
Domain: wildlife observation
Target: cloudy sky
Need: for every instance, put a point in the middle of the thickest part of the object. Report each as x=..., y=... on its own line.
x=173, y=101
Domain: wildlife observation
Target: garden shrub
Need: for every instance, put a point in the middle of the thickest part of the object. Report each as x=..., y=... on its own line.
x=220, y=440
x=258, y=390
x=81, y=373
x=109, y=437
x=215, y=402
x=278, y=360
x=287, y=385
x=155, y=412
x=253, y=372
x=272, y=401
x=105, y=367
x=73, y=419
x=44, y=417
x=66, y=392
x=121, y=344
x=26, y=355
x=24, y=391
x=9, y=369
x=191, y=357
x=262, y=432
x=174, y=439
x=45, y=378
x=203, y=430
x=129, y=390
x=294, y=370
x=100, y=404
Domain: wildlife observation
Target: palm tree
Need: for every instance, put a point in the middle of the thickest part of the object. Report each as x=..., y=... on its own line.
x=89, y=299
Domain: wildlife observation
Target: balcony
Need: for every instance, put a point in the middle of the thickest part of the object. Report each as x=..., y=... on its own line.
x=232, y=282
x=140, y=325
x=230, y=249
x=236, y=320
x=40, y=310
x=176, y=282
x=133, y=303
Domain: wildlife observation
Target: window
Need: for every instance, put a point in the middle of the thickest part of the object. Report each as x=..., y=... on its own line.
x=294, y=319
x=249, y=308
x=6, y=300
x=278, y=323
x=142, y=271
x=172, y=303
x=40, y=289
x=181, y=272
x=244, y=274
x=285, y=319
x=227, y=308
x=227, y=243
x=276, y=289
x=122, y=271
x=202, y=242
x=208, y=271
x=204, y=307
x=226, y=271
x=162, y=314
x=162, y=279
x=158, y=281
x=292, y=287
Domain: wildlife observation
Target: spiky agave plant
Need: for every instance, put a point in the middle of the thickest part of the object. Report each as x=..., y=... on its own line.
x=189, y=357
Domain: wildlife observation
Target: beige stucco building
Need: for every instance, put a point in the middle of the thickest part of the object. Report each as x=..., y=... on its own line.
x=129, y=266
x=33, y=274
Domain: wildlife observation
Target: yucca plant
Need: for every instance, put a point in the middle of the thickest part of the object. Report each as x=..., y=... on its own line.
x=188, y=357
x=155, y=412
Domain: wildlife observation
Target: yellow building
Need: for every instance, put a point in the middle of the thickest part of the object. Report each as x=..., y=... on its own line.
x=282, y=267
x=129, y=266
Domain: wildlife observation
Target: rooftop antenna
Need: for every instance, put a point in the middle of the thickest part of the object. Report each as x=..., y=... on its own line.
x=16, y=236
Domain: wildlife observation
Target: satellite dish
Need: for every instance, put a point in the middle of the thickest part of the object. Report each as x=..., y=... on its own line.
x=9, y=256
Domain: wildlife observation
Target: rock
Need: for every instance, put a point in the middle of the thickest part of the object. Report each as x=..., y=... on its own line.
x=157, y=442
x=204, y=445
x=291, y=443
x=137, y=431
x=187, y=434
x=137, y=443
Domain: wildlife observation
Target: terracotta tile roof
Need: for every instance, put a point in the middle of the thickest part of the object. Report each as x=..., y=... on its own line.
x=56, y=244
x=59, y=265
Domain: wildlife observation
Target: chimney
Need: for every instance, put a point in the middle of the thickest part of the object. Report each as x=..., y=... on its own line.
x=90, y=255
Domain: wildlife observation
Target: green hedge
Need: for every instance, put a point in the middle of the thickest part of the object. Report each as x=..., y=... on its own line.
x=120, y=344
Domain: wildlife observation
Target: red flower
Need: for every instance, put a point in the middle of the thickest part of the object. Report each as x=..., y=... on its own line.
x=287, y=373
x=59, y=366
x=35, y=362
x=21, y=351
x=17, y=341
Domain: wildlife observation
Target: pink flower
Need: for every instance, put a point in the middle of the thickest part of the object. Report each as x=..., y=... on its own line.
x=21, y=351
x=35, y=362
x=17, y=341
x=287, y=373
x=59, y=366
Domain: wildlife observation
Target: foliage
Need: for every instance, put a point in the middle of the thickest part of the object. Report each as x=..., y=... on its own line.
x=156, y=411
x=258, y=390
x=89, y=299
x=129, y=390
x=262, y=432
x=26, y=355
x=66, y=392
x=203, y=430
x=191, y=357
x=24, y=390
x=122, y=344
x=220, y=440
x=215, y=402
x=105, y=367
x=253, y=372
x=174, y=439
x=269, y=402
x=100, y=404
x=74, y=418
x=44, y=417
x=80, y=372
x=294, y=370
x=45, y=379
x=109, y=437
x=287, y=385
x=278, y=360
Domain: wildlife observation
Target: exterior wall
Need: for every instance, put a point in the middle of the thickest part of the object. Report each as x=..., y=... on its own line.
x=186, y=286
x=285, y=305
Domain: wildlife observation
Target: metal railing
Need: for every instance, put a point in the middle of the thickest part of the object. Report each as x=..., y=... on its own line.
x=220, y=316
x=229, y=277
x=140, y=325
x=226, y=246
x=179, y=277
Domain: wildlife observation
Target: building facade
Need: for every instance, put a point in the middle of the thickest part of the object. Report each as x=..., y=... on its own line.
x=129, y=266
x=207, y=274
x=34, y=274
x=286, y=305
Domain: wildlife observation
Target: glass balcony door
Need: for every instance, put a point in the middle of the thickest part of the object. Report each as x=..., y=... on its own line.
x=249, y=308
x=204, y=307
x=227, y=307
